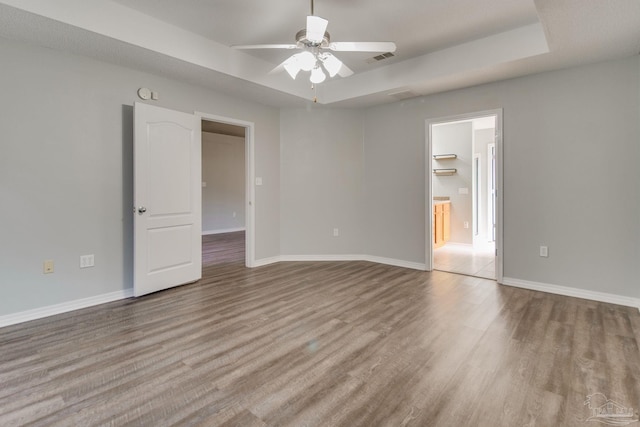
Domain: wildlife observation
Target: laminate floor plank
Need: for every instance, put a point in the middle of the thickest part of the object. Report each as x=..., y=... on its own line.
x=321, y=344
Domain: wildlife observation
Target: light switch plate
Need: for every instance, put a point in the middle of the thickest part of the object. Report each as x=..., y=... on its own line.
x=258, y=180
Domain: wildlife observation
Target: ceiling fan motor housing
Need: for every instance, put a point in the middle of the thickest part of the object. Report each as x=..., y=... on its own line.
x=301, y=38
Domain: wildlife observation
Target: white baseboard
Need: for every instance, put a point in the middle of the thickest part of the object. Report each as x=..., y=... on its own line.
x=222, y=230
x=353, y=257
x=396, y=262
x=573, y=292
x=265, y=261
x=39, y=313
x=338, y=257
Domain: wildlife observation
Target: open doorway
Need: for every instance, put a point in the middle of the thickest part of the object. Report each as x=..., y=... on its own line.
x=462, y=196
x=223, y=193
x=227, y=193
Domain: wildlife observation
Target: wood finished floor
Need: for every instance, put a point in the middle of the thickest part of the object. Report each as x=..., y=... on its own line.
x=321, y=344
x=225, y=248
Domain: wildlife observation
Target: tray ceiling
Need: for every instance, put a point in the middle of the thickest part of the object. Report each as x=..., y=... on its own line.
x=442, y=44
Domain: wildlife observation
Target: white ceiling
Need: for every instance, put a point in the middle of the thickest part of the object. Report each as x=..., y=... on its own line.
x=441, y=23
x=442, y=44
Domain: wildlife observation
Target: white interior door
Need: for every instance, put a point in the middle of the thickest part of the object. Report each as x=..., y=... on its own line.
x=167, y=197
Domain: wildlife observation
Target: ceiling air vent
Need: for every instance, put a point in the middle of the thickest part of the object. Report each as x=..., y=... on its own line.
x=380, y=57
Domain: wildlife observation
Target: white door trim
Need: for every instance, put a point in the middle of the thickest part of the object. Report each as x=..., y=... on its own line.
x=476, y=170
x=250, y=219
x=490, y=190
x=499, y=184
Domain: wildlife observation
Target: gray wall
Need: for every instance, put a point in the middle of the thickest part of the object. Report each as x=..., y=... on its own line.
x=66, y=171
x=455, y=138
x=321, y=181
x=571, y=147
x=571, y=155
x=223, y=171
x=394, y=173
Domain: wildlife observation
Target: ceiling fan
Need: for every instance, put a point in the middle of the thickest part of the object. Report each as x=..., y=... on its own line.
x=315, y=45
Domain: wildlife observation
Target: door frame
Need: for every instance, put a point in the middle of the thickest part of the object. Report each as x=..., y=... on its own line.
x=499, y=184
x=249, y=156
x=491, y=209
x=476, y=179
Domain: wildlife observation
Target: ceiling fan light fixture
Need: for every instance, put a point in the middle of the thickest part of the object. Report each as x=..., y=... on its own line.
x=313, y=42
x=331, y=64
x=317, y=75
x=306, y=60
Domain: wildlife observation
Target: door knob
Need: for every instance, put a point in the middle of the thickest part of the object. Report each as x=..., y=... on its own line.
x=142, y=210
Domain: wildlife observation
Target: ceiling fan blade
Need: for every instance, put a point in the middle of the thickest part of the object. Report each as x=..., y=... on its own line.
x=265, y=46
x=316, y=27
x=290, y=65
x=362, y=46
x=280, y=67
x=345, y=71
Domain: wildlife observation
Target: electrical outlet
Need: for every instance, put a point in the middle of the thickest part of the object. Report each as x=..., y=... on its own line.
x=87, y=261
x=48, y=266
x=336, y=232
x=544, y=251
x=466, y=224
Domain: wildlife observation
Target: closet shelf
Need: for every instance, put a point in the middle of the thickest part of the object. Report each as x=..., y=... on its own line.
x=444, y=156
x=445, y=172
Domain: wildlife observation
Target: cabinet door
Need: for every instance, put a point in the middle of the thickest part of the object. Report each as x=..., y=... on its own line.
x=446, y=222
x=435, y=235
x=439, y=225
